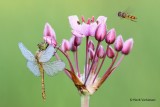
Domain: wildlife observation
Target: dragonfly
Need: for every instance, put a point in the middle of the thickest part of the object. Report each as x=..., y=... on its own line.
x=40, y=62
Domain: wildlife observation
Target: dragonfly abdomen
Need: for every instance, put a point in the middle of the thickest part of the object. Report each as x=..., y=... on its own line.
x=40, y=65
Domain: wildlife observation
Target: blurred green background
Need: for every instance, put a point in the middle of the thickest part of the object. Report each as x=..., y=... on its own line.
x=137, y=77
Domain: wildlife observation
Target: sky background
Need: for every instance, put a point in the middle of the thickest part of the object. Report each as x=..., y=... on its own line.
x=137, y=77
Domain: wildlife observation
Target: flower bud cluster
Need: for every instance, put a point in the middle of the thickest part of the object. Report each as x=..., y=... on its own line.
x=95, y=54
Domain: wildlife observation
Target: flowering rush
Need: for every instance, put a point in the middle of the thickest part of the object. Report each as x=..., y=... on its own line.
x=88, y=80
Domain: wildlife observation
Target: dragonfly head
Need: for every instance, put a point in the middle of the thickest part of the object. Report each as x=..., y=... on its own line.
x=42, y=46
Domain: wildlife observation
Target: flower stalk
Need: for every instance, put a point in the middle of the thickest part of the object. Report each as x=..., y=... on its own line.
x=76, y=60
x=92, y=63
x=85, y=100
x=86, y=60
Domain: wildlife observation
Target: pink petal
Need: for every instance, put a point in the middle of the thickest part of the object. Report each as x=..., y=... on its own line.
x=65, y=45
x=118, y=45
x=111, y=36
x=110, y=52
x=77, y=41
x=101, y=32
x=91, y=53
x=49, y=31
x=73, y=20
x=92, y=28
x=102, y=19
x=100, y=52
x=127, y=46
x=50, y=41
x=77, y=34
x=71, y=42
x=91, y=44
x=85, y=29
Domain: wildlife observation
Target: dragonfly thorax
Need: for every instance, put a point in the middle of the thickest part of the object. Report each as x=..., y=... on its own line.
x=38, y=55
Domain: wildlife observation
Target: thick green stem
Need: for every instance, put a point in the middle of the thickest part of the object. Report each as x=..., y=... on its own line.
x=85, y=100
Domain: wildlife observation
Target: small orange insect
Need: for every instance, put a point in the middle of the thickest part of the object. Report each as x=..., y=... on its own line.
x=127, y=16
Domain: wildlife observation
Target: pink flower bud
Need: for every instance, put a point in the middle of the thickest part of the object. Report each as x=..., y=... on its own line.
x=91, y=44
x=72, y=46
x=91, y=53
x=48, y=31
x=100, y=32
x=110, y=52
x=110, y=38
x=101, y=52
x=118, y=45
x=65, y=45
x=77, y=41
x=127, y=46
x=49, y=35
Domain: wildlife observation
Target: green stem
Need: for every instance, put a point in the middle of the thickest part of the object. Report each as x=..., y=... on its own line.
x=85, y=100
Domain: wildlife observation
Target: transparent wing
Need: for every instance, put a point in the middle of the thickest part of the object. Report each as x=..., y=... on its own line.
x=128, y=10
x=26, y=53
x=33, y=67
x=47, y=54
x=52, y=68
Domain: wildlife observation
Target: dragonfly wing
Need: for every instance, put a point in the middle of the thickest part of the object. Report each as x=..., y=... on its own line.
x=33, y=67
x=25, y=52
x=52, y=68
x=47, y=54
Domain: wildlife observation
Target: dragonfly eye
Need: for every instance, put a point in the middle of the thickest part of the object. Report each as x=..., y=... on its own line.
x=39, y=45
x=42, y=46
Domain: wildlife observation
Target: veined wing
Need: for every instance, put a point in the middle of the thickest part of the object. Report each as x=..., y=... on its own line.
x=47, y=54
x=26, y=53
x=52, y=68
x=33, y=67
